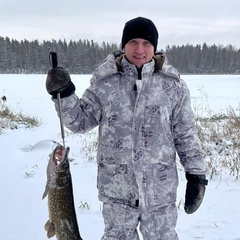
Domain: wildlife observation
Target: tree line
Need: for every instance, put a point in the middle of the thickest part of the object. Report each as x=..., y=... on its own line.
x=205, y=59
x=79, y=57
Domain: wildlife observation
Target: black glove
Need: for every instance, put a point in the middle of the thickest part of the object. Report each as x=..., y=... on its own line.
x=194, y=192
x=59, y=81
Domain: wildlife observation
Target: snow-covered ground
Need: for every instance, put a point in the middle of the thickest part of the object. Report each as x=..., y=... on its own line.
x=24, y=158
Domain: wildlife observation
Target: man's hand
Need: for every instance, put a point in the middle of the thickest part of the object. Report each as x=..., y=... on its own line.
x=194, y=192
x=59, y=81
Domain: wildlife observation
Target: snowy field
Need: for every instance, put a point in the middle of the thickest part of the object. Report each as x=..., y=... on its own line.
x=24, y=158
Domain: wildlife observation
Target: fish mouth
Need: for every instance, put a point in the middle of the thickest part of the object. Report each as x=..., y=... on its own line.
x=60, y=154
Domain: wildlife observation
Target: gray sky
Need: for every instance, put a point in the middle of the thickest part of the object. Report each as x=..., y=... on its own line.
x=178, y=21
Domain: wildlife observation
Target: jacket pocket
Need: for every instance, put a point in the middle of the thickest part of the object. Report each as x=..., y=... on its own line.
x=162, y=183
x=116, y=180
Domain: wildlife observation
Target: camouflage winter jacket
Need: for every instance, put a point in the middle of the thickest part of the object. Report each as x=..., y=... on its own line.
x=140, y=131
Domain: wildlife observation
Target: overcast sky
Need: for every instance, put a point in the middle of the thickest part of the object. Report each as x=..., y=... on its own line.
x=178, y=21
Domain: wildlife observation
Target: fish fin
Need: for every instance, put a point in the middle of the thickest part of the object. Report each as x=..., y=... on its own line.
x=45, y=193
x=47, y=224
x=50, y=228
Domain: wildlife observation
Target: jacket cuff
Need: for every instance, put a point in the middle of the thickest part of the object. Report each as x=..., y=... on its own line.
x=201, y=179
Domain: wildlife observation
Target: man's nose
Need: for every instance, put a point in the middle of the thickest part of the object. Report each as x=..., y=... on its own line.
x=139, y=47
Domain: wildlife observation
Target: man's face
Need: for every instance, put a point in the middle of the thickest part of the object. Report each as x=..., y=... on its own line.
x=139, y=51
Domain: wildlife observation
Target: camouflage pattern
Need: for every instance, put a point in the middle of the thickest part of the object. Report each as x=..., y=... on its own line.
x=139, y=134
x=121, y=222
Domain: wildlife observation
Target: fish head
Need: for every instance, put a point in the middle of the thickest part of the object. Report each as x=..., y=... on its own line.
x=61, y=165
x=58, y=172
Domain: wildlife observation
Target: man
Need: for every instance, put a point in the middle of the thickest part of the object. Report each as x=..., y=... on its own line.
x=143, y=111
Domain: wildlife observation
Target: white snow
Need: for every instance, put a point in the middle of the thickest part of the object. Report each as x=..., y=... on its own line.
x=24, y=158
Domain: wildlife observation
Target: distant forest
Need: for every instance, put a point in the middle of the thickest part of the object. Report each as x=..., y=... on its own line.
x=80, y=56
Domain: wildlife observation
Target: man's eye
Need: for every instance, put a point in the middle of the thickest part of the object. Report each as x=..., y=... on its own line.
x=147, y=43
x=133, y=41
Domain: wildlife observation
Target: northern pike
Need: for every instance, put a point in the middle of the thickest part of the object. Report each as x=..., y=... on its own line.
x=62, y=216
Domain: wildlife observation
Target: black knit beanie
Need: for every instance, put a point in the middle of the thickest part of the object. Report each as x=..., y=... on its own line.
x=140, y=27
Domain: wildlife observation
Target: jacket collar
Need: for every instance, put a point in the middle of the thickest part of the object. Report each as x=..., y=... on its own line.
x=117, y=63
